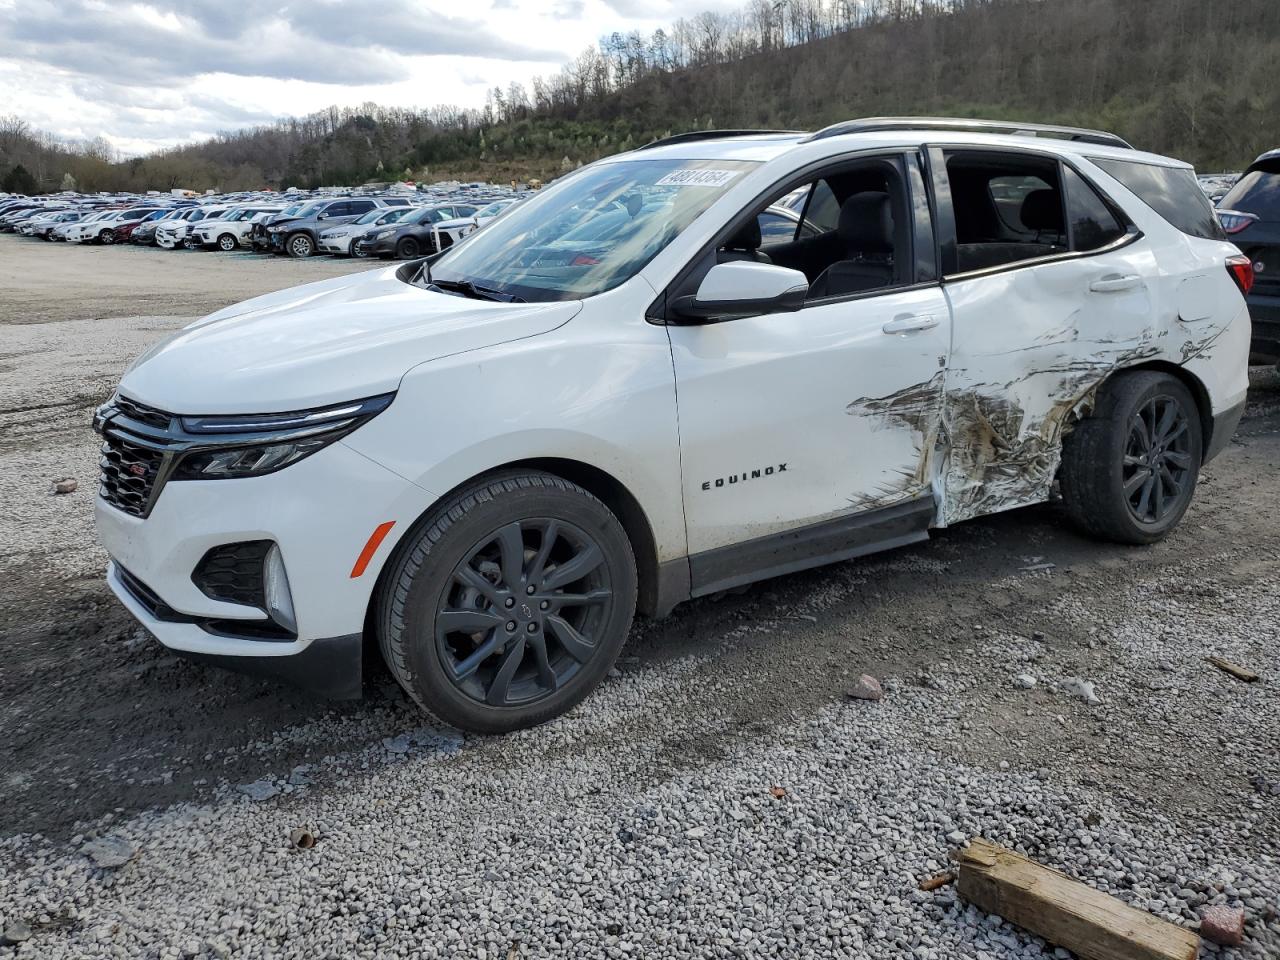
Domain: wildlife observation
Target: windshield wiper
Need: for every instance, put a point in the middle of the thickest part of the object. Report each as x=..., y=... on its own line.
x=469, y=289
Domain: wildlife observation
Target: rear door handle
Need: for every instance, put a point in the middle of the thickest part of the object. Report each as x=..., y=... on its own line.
x=1115, y=284
x=910, y=324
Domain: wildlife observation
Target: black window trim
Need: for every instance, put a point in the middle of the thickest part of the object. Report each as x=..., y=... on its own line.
x=944, y=213
x=904, y=157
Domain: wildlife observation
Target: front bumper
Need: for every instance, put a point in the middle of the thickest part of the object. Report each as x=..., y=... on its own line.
x=377, y=248
x=309, y=512
x=336, y=244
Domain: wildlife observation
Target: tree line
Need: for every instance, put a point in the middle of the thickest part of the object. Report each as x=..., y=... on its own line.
x=1181, y=77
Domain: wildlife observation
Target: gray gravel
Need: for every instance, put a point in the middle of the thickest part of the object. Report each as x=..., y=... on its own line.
x=554, y=839
x=720, y=796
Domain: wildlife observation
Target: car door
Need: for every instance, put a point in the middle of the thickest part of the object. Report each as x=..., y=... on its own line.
x=1049, y=293
x=806, y=437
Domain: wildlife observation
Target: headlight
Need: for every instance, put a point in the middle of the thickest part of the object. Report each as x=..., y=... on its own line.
x=383, y=234
x=223, y=448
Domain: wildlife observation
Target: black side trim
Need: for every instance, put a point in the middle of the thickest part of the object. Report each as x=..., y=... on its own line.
x=1224, y=428
x=673, y=587
x=812, y=546
x=330, y=667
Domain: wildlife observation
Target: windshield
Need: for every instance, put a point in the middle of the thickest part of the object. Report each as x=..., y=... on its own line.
x=493, y=209
x=379, y=216
x=591, y=233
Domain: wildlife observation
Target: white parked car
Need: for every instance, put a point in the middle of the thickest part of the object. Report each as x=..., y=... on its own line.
x=230, y=229
x=341, y=239
x=173, y=234
x=63, y=230
x=485, y=465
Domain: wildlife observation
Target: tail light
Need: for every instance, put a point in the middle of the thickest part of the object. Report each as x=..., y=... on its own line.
x=1241, y=269
x=1234, y=221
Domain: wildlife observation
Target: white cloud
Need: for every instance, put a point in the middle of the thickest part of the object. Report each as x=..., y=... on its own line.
x=157, y=73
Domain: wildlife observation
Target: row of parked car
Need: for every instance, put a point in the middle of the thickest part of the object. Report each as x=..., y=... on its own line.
x=403, y=225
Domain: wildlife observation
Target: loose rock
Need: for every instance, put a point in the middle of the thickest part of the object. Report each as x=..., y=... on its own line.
x=866, y=688
x=109, y=852
x=1223, y=925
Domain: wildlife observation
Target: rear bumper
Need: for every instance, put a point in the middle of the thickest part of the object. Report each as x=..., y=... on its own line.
x=1265, y=313
x=1224, y=428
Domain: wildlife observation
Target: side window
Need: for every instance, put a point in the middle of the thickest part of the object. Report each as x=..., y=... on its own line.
x=1008, y=208
x=1091, y=221
x=359, y=206
x=1172, y=192
x=776, y=228
x=822, y=209
x=854, y=235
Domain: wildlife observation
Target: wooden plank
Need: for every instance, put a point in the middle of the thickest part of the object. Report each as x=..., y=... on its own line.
x=1240, y=673
x=1067, y=913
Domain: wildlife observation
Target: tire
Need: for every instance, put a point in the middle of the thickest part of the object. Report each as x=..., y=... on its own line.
x=557, y=652
x=407, y=248
x=356, y=252
x=300, y=246
x=107, y=237
x=227, y=243
x=1109, y=486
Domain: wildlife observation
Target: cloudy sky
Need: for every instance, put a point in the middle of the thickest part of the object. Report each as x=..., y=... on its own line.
x=154, y=73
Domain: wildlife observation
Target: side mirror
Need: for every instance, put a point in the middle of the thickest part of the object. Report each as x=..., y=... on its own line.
x=744, y=289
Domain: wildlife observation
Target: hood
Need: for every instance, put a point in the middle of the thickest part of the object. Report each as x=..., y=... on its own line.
x=322, y=343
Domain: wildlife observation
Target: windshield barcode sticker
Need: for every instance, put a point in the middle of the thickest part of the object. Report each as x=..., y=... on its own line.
x=697, y=178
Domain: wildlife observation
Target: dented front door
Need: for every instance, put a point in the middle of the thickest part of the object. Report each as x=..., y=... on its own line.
x=1031, y=344
x=791, y=419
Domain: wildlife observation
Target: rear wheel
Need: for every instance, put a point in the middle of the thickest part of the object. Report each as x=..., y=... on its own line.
x=300, y=245
x=407, y=248
x=1129, y=471
x=227, y=243
x=509, y=604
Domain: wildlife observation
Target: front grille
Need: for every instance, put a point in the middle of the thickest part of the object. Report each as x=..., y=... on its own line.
x=142, y=413
x=134, y=460
x=129, y=474
x=233, y=572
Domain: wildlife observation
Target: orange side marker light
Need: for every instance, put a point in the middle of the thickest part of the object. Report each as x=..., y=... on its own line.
x=371, y=547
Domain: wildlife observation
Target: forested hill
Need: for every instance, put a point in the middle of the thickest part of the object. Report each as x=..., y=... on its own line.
x=1191, y=78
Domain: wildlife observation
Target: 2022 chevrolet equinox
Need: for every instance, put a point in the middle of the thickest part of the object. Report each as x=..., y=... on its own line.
x=618, y=397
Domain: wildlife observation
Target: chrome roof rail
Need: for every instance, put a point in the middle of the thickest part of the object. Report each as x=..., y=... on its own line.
x=694, y=136
x=960, y=125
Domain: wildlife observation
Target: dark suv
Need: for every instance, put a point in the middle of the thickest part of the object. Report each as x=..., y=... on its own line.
x=299, y=236
x=1250, y=213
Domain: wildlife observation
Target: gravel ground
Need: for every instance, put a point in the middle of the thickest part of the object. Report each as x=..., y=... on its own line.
x=719, y=797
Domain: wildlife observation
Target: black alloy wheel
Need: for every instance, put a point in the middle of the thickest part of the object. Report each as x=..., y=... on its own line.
x=523, y=612
x=1157, y=460
x=1129, y=469
x=507, y=604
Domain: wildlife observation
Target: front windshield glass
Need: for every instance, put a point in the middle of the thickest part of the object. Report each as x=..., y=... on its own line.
x=591, y=233
x=377, y=216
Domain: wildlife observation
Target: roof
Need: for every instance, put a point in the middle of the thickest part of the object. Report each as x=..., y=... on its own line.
x=887, y=133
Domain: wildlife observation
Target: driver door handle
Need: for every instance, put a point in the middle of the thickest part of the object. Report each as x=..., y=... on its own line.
x=1115, y=283
x=910, y=324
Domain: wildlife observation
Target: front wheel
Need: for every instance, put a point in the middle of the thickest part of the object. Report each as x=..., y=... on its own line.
x=227, y=243
x=107, y=236
x=509, y=604
x=300, y=245
x=1129, y=470
x=407, y=248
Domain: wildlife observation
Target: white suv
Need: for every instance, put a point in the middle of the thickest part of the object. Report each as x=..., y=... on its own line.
x=229, y=230
x=616, y=398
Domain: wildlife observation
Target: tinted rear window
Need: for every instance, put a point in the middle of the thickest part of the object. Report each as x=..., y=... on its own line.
x=1257, y=192
x=1171, y=192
